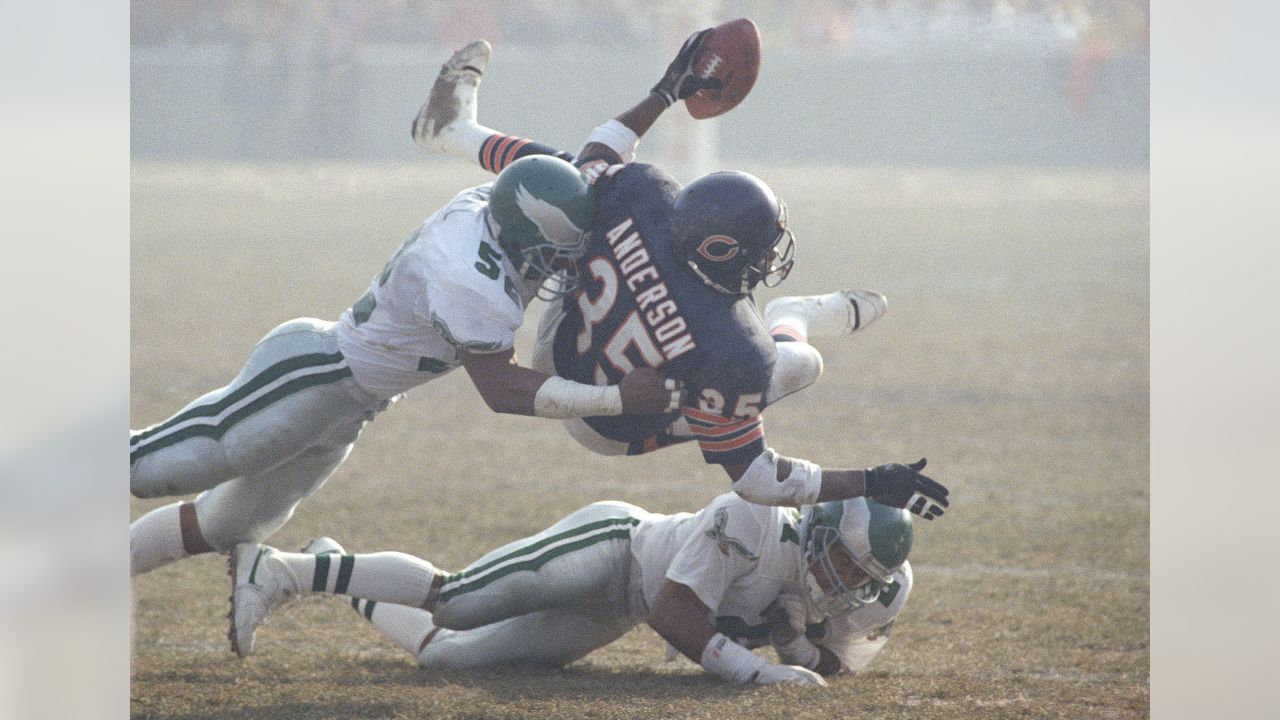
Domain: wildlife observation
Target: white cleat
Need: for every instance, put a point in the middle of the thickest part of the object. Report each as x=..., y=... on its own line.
x=323, y=546
x=449, y=115
x=257, y=584
x=836, y=313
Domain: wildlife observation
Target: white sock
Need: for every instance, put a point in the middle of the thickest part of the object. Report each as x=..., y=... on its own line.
x=391, y=577
x=155, y=539
x=464, y=139
x=408, y=627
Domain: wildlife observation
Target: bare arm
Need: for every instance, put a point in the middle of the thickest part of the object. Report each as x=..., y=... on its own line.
x=837, y=484
x=677, y=83
x=509, y=388
x=771, y=479
x=682, y=619
x=505, y=386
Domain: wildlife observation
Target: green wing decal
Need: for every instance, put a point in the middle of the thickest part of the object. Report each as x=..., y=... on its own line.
x=723, y=541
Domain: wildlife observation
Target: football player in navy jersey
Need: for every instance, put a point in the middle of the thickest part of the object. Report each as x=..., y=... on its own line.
x=666, y=282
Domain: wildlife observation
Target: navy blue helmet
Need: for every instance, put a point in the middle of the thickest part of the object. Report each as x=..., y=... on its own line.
x=729, y=227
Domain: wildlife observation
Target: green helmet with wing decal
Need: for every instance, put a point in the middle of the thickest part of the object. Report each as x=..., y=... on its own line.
x=852, y=548
x=540, y=211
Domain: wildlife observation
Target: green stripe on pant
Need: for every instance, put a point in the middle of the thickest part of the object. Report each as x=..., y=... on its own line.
x=216, y=431
x=470, y=584
x=257, y=382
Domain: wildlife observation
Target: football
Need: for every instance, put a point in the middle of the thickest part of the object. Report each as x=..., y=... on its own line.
x=731, y=53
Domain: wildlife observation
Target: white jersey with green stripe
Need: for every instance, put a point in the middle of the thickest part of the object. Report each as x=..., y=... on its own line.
x=449, y=287
x=735, y=555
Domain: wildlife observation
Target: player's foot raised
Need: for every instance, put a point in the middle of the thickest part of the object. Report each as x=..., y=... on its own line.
x=836, y=313
x=257, y=584
x=450, y=111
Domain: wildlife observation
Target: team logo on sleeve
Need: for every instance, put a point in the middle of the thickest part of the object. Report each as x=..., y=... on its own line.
x=723, y=541
x=718, y=248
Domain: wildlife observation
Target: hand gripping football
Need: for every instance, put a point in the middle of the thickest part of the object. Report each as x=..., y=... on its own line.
x=731, y=54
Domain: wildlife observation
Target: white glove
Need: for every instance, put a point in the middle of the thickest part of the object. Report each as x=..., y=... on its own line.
x=788, y=675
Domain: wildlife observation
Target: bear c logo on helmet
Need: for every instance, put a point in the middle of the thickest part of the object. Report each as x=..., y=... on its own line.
x=709, y=248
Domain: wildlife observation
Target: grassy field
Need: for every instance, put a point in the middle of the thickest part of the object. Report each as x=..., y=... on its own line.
x=1015, y=357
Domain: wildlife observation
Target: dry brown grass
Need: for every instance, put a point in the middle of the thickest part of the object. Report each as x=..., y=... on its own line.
x=1015, y=357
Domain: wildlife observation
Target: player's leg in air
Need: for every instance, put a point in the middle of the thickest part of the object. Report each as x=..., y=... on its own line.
x=792, y=320
x=575, y=573
x=447, y=124
x=252, y=449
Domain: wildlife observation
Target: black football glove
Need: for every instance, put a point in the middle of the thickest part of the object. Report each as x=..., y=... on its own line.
x=903, y=486
x=679, y=82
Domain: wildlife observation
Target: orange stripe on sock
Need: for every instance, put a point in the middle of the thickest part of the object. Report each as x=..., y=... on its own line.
x=487, y=154
x=790, y=332
x=511, y=151
x=500, y=150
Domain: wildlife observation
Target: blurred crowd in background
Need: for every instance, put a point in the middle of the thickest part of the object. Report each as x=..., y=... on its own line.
x=319, y=26
x=922, y=80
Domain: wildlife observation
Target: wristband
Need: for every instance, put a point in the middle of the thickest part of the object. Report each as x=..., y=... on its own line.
x=560, y=398
x=730, y=660
x=620, y=138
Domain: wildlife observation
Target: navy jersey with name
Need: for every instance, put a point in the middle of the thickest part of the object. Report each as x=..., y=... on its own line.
x=639, y=304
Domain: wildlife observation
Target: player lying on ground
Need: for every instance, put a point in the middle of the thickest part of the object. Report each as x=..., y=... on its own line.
x=453, y=295
x=666, y=281
x=822, y=586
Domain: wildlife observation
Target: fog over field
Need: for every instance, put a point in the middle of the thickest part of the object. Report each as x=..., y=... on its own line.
x=984, y=164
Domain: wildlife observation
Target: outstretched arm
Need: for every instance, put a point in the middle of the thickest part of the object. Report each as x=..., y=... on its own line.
x=447, y=121
x=509, y=388
x=616, y=140
x=772, y=479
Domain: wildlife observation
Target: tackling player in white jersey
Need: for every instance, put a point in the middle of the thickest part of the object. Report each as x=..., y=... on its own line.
x=453, y=295
x=822, y=586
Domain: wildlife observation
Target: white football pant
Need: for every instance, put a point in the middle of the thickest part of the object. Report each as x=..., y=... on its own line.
x=548, y=599
x=254, y=448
